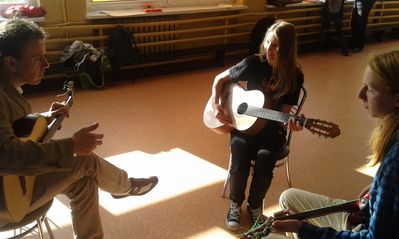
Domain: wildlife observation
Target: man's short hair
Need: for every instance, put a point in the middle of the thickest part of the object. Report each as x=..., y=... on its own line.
x=15, y=34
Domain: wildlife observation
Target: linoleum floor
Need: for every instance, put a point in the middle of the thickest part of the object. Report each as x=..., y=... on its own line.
x=154, y=126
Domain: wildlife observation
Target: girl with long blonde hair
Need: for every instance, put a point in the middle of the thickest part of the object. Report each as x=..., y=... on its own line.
x=380, y=220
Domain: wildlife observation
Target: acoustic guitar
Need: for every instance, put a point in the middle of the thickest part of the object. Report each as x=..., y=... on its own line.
x=249, y=113
x=353, y=206
x=18, y=189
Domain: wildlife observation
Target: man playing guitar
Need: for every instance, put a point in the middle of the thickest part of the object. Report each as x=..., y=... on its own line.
x=62, y=166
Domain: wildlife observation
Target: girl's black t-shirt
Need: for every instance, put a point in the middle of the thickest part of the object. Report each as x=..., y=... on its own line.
x=255, y=73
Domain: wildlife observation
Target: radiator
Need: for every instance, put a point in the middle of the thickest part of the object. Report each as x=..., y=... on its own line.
x=154, y=39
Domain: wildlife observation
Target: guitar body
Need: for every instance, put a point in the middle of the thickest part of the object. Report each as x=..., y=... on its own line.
x=18, y=189
x=32, y=127
x=233, y=96
x=16, y=198
x=250, y=110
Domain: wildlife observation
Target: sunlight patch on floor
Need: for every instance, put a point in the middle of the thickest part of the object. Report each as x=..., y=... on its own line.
x=179, y=172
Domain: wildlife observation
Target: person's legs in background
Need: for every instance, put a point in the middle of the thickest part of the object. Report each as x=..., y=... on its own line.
x=341, y=35
x=325, y=31
x=360, y=13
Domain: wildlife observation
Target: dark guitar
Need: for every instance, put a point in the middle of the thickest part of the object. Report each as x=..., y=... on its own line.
x=18, y=189
x=249, y=113
x=353, y=206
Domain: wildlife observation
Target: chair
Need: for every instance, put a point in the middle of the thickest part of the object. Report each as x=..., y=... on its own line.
x=295, y=110
x=39, y=215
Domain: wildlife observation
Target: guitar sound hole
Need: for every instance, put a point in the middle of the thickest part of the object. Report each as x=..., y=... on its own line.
x=242, y=108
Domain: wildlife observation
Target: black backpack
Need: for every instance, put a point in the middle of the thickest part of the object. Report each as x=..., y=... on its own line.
x=89, y=63
x=122, y=48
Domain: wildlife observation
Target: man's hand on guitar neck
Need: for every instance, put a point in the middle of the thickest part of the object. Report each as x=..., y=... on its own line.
x=56, y=109
x=85, y=141
x=59, y=108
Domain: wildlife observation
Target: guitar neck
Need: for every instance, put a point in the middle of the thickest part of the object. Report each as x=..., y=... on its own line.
x=350, y=206
x=320, y=127
x=56, y=123
x=52, y=128
x=272, y=115
x=265, y=229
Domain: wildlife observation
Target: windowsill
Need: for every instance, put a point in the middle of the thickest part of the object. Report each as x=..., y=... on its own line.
x=34, y=19
x=165, y=11
x=305, y=3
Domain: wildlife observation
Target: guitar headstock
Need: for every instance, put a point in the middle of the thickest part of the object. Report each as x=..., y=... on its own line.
x=322, y=128
x=68, y=92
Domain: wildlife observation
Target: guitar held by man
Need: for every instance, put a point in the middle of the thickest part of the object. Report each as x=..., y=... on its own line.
x=65, y=165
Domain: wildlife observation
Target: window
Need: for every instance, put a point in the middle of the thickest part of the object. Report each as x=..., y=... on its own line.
x=12, y=1
x=179, y=3
x=4, y=4
x=97, y=5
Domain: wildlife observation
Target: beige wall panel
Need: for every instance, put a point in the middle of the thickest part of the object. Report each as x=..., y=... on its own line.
x=74, y=11
x=255, y=5
x=54, y=11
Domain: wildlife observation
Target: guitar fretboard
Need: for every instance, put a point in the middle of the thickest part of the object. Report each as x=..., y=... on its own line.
x=56, y=123
x=349, y=206
x=272, y=115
